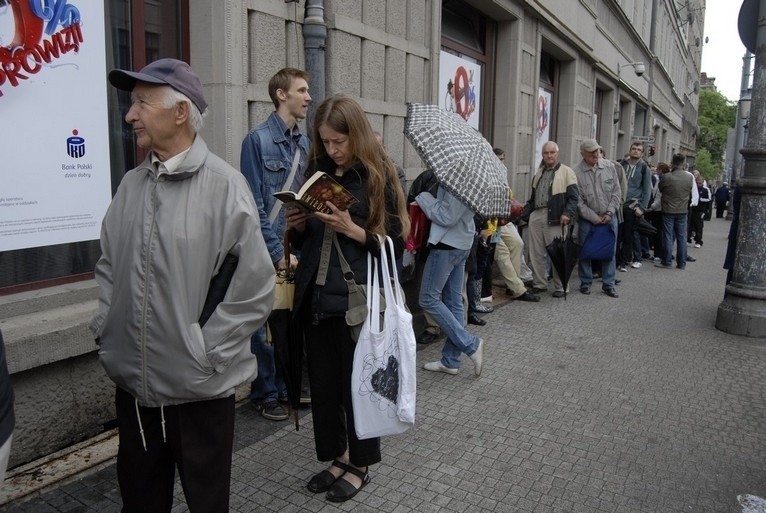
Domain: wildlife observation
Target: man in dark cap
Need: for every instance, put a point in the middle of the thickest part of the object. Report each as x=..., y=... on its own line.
x=184, y=280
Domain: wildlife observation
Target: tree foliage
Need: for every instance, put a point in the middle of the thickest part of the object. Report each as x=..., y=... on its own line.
x=705, y=166
x=716, y=115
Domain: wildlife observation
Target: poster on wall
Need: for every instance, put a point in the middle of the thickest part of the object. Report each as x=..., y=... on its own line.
x=543, y=132
x=460, y=87
x=54, y=151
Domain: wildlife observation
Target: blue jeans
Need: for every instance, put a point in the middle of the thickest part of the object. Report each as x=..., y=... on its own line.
x=608, y=267
x=674, y=227
x=441, y=297
x=269, y=384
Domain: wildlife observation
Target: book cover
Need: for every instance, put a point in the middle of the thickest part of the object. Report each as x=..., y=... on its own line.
x=318, y=189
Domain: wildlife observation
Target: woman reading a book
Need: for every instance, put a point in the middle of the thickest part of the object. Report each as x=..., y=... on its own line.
x=343, y=146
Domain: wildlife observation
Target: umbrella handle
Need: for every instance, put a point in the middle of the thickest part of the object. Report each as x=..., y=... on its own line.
x=286, y=242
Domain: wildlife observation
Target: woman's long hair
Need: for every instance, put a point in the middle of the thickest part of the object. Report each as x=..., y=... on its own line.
x=345, y=116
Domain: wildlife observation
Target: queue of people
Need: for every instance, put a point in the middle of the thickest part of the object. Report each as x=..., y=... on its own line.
x=191, y=249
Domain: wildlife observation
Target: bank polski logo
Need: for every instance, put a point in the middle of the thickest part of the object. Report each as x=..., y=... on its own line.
x=75, y=145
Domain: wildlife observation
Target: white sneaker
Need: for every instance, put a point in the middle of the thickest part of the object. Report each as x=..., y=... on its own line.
x=622, y=268
x=636, y=265
x=487, y=299
x=437, y=366
x=477, y=357
x=698, y=245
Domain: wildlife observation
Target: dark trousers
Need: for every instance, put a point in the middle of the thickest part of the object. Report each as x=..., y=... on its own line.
x=657, y=240
x=199, y=441
x=330, y=350
x=626, y=254
x=720, y=206
x=484, y=255
x=696, y=224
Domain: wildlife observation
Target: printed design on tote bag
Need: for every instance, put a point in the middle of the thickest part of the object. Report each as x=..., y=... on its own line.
x=380, y=379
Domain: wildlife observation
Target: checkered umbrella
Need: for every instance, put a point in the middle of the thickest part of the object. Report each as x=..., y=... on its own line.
x=462, y=160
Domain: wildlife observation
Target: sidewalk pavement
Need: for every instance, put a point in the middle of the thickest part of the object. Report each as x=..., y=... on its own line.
x=592, y=404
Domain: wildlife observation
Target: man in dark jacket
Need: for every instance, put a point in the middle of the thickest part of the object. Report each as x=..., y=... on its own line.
x=552, y=204
x=675, y=188
x=721, y=199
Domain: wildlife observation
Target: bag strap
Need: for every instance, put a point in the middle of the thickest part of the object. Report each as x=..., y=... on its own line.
x=392, y=288
x=278, y=204
x=356, y=295
x=373, y=297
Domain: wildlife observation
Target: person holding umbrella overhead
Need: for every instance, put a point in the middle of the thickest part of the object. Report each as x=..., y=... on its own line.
x=343, y=145
x=449, y=242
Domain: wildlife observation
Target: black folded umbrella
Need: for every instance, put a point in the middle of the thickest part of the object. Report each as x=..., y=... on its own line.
x=286, y=335
x=563, y=252
x=645, y=227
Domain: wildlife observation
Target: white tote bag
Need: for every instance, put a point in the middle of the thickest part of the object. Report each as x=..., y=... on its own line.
x=383, y=377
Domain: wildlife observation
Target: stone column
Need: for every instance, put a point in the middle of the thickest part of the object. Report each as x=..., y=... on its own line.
x=743, y=310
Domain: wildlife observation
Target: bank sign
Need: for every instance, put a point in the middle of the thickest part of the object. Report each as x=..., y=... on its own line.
x=54, y=147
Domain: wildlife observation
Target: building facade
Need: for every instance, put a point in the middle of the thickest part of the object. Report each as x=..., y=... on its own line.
x=522, y=72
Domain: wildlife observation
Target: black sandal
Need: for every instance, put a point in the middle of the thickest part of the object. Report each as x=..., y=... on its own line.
x=322, y=481
x=341, y=490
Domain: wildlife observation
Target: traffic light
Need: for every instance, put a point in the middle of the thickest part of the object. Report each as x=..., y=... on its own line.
x=651, y=151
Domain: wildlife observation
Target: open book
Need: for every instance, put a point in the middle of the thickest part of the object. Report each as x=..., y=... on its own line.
x=319, y=188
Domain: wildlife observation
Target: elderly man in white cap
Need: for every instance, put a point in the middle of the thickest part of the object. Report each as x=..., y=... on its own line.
x=600, y=197
x=184, y=280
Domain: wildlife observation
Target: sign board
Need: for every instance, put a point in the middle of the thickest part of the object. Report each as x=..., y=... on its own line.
x=55, y=172
x=643, y=138
x=460, y=86
x=747, y=24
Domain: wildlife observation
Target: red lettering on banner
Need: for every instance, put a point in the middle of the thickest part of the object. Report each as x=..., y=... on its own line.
x=31, y=59
x=11, y=69
x=28, y=51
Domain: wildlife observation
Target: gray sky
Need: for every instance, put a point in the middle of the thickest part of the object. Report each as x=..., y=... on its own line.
x=722, y=55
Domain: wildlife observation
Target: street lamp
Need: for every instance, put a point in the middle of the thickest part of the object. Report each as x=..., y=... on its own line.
x=639, y=69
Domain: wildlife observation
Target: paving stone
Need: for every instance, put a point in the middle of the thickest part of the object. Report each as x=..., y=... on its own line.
x=589, y=405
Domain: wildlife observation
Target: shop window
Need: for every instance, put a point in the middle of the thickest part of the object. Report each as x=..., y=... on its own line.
x=463, y=24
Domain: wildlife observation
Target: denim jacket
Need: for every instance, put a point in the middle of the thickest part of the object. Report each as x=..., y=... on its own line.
x=266, y=161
